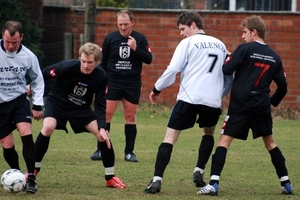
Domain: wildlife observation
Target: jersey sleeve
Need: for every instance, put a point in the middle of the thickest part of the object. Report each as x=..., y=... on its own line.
x=105, y=54
x=280, y=80
x=53, y=71
x=37, y=85
x=100, y=103
x=233, y=61
x=228, y=80
x=177, y=62
x=143, y=51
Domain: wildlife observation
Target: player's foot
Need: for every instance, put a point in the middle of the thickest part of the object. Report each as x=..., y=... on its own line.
x=115, y=182
x=35, y=174
x=198, y=179
x=31, y=186
x=287, y=189
x=209, y=189
x=130, y=157
x=153, y=187
x=96, y=155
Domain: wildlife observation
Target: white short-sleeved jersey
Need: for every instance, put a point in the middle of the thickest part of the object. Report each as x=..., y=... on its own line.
x=13, y=69
x=199, y=58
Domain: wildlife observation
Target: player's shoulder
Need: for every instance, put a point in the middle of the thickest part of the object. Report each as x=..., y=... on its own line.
x=113, y=34
x=70, y=63
x=27, y=51
x=98, y=69
x=211, y=38
x=137, y=34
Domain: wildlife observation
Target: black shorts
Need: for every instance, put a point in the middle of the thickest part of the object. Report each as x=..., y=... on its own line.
x=238, y=126
x=129, y=91
x=13, y=112
x=184, y=116
x=78, y=118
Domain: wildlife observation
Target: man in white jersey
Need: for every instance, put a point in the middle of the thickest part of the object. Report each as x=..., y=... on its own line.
x=199, y=58
x=16, y=61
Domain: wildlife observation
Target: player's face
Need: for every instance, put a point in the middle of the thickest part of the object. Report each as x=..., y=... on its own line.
x=11, y=43
x=185, y=31
x=88, y=63
x=247, y=35
x=125, y=25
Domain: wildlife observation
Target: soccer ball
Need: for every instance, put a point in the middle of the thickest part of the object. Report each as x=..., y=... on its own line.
x=13, y=180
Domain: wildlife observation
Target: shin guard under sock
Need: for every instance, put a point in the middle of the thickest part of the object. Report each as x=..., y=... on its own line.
x=163, y=158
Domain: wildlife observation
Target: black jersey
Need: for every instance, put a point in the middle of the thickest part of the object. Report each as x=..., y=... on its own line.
x=72, y=89
x=122, y=63
x=255, y=65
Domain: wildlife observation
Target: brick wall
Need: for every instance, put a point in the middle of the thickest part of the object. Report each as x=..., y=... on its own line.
x=283, y=34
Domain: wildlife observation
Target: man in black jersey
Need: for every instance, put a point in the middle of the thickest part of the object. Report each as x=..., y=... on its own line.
x=124, y=52
x=255, y=65
x=77, y=82
x=18, y=62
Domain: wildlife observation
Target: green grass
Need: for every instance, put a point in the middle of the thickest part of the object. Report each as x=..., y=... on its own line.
x=68, y=173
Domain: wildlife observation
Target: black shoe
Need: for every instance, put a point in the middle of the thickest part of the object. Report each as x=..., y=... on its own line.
x=198, y=179
x=96, y=155
x=31, y=186
x=130, y=157
x=153, y=187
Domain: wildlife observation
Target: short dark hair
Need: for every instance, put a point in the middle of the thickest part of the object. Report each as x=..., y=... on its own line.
x=12, y=27
x=186, y=18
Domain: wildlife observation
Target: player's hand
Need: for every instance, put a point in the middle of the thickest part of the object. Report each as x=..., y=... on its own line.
x=153, y=97
x=37, y=115
x=105, y=137
x=28, y=90
x=131, y=43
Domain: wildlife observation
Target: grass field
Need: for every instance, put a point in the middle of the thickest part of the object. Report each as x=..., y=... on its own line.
x=68, y=173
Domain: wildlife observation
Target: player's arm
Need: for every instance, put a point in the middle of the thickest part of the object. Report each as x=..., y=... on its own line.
x=100, y=110
x=280, y=92
x=36, y=89
x=105, y=54
x=100, y=103
x=169, y=75
x=233, y=61
x=228, y=80
x=53, y=71
x=142, y=50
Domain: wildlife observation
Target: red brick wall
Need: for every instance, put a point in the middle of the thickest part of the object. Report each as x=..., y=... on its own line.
x=283, y=34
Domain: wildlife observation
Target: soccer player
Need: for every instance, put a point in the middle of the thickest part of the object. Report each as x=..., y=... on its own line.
x=255, y=65
x=199, y=57
x=17, y=61
x=124, y=52
x=77, y=82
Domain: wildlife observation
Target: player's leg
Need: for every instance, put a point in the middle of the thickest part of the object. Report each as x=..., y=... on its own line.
x=6, y=137
x=29, y=153
x=130, y=100
x=233, y=127
x=43, y=140
x=278, y=161
x=182, y=117
x=218, y=162
x=111, y=106
x=130, y=111
x=207, y=118
x=204, y=152
x=162, y=160
x=263, y=126
x=22, y=119
x=9, y=152
x=108, y=157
